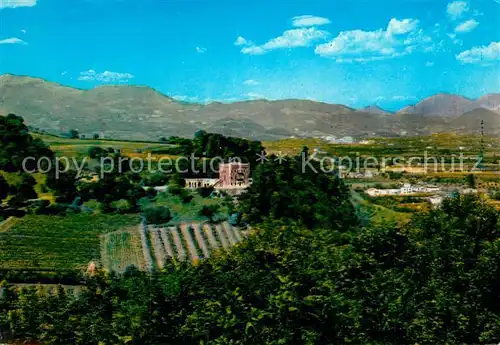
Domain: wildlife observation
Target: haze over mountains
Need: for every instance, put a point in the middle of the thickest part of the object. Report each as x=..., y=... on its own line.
x=141, y=113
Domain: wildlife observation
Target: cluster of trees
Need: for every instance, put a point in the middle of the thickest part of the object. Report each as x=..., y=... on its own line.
x=217, y=145
x=287, y=189
x=16, y=144
x=210, y=145
x=435, y=280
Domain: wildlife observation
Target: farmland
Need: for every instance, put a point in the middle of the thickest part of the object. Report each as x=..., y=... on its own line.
x=442, y=143
x=79, y=147
x=57, y=242
x=121, y=249
x=189, y=241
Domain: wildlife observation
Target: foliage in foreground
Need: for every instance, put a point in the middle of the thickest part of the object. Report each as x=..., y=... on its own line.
x=435, y=280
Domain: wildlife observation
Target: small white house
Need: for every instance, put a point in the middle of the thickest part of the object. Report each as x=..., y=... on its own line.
x=435, y=200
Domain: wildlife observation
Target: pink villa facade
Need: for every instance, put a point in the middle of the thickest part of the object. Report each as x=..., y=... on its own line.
x=233, y=178
x=234, y=175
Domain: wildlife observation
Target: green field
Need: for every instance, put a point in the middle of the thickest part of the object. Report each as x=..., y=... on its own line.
x=74, y=147
x=55, y=242
x=121, y=249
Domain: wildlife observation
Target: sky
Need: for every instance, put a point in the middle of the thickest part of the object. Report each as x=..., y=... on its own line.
x=354, y=52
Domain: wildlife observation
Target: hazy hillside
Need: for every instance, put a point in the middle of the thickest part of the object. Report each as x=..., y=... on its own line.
x=448, y=105
x=135, y=112
x=442, y=104
x=490, y=101
x=472, y=121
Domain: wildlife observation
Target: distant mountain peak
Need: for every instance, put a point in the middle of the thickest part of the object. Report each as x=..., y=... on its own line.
x=375, y=109
x=141, y=112
x=450, y=105
x=441, y=104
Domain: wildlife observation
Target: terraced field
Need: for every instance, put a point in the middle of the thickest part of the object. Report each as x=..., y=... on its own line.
x=188, y=241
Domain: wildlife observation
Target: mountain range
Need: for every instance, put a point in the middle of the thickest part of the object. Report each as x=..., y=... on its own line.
x=142, y=113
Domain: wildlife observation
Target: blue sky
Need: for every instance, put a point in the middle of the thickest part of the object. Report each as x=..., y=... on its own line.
x=353, y=52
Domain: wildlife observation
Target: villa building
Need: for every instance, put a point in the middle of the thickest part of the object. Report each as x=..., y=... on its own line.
x=233, y=178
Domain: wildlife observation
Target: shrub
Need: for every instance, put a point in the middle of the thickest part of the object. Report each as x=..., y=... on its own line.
x=209, y=211
x=122, y=206
x=186, y=196
x=38, y=206
x=205, y=192
x=496, y=195
x=157, y=215
x=96, y=152
x=156, y=179
x=175, y=189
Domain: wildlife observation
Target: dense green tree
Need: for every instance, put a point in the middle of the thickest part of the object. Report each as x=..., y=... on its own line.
x=73, y=134
x=291, y=190
x=63, y=184
x=24, y=191
x=96, y=152
x=205, y=192
x=4, y=188
x=470, y=180
x=155, y=179
x=217, y=145
x=157, y=215
x=209, y=211
x=18, y=146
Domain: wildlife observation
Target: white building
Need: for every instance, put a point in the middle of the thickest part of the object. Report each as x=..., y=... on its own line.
x=194, y=183
x=407, y=189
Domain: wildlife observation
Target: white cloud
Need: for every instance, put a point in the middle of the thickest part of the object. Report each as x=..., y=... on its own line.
x=241, y=41
x=429, y=63
x=17, y=3
x=105, y=77
x=477, y=13
x=253, y=50
x=401, y=37
x=454, y=39
x=400, y=27
x=251, y=82
x=201, y=50
x=456, y=9
x=308, y=20
x=481, y=55
x=467, y=26
x=294, y=38
x=64, y=73
x=12, y=40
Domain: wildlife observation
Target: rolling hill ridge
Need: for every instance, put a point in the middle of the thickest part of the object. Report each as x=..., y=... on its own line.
x=142, y=113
